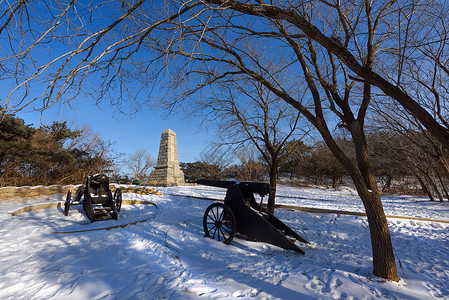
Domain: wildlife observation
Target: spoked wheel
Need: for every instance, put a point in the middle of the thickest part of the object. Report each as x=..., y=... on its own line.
x=88, y=207
x=219, y=223
x=67, y=202
x=118, y=199
x=111, y=204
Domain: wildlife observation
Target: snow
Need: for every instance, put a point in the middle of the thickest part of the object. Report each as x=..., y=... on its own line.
x=165, y=256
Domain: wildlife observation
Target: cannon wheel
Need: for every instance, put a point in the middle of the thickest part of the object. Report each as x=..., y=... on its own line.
x=88, y=206
x=111, y=204
x=67, y=202
x=219, y=223
x=118, y=199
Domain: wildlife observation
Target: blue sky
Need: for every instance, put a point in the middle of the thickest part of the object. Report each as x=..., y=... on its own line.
x=142, y=131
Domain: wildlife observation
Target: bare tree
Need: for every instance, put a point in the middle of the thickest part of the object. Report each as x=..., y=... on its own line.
x=139, y=163
x=107, y=50
x=245, y=114
x=426, y=157
x=219, y=157
x=336, y=47
x=250, y=168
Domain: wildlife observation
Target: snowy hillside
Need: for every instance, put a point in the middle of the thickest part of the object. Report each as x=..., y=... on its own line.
x=166, y=256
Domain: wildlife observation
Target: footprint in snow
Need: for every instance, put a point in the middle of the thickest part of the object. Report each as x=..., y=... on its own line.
x=335, y=283
x=315, y=285
x=381, y=293
x=245, y=293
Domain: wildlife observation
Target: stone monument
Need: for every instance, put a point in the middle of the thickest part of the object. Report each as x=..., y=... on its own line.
x=167, y=171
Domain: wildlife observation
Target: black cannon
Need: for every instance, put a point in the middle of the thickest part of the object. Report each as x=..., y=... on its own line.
x=98, y=202
x=241, y=213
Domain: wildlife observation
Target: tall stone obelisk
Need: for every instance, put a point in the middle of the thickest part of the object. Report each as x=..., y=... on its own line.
x=167, y=171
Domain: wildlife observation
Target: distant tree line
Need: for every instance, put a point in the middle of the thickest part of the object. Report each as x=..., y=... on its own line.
x=313, y=163
x=402, y=164
x=53, y=154
x=404, y=161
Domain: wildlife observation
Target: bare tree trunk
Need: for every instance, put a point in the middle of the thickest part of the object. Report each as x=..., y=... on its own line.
x=383, y=256
x=384, y=264
x=443, y=186
x=387, y=185
x=433, y=185
x=334, y=182
x=424, y=187
x=273, y=184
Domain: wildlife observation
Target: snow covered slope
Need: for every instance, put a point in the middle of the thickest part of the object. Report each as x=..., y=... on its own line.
x=167, y=257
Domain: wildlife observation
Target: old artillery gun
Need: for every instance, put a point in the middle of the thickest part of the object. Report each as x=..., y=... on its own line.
x=241, y=213
x=98, y=202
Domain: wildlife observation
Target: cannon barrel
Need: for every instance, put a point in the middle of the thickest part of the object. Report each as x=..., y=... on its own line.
x=260, y=188
x=216, y=183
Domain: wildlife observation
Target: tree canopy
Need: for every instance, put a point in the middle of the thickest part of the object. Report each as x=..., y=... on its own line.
x=46, y=155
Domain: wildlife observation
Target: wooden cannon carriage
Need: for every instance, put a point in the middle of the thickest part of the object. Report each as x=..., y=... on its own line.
x=98, y=202
x=241, y=213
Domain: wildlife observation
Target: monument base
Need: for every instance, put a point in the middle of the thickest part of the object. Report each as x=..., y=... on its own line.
x=167, y=176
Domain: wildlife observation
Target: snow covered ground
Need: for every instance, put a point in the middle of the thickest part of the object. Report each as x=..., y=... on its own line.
x=167, y=257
